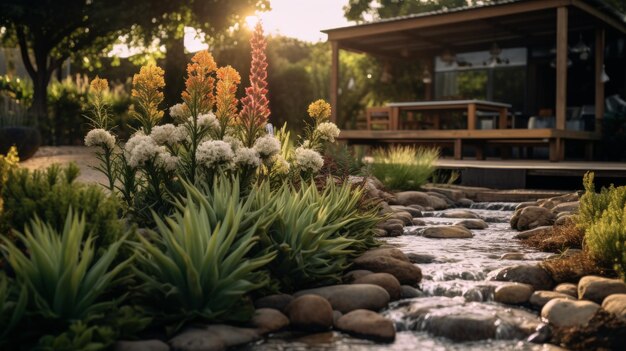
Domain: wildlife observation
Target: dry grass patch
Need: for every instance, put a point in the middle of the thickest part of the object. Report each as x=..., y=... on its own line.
x=571, y=268
x=561, y=238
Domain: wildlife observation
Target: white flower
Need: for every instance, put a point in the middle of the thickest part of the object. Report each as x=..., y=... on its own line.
x=215, y=152
x=100, y=137
x=328, y=131
x=208, y=120
x=234, y=142
x=247, y=157
x=144, y=149
x=280, y=166
x=178, y=111
x=134, y=140
x=267, y=146
x=167, y=134
x=308, y=160
x=167, y=160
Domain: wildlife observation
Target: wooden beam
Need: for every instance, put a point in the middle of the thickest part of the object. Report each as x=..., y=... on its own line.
x=603, y=16
x=443, y=19
x=561, y=67
x=599, y=65
x=334, y=81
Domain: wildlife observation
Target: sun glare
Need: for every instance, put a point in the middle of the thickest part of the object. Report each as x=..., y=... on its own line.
x=251, y=21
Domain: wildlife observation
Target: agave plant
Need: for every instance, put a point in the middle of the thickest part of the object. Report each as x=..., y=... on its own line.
x=198, y=264
x=61, y=273
x=13, y=301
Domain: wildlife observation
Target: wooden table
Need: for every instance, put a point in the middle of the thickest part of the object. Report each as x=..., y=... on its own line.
x=471, y=106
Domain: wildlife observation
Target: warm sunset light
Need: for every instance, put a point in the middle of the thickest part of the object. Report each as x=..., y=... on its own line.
x=251, y=21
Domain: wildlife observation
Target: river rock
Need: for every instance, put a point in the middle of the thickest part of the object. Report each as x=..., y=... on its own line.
x=404, y=216
x=446, y=232
x=531, y=217
x=419, y=221
x=269, y=320
x=336, y=316
x=541, y=297
x=473, y=224
x=413, y=211
x=141, y=345
x=438, y=203
x=533, y=232
x=381, y=233
x=404, y=271
x=385, y=252
x=409, y=292
x=513, y=294
x=513, y=256
x=406, y=198
x=533, y=275
x=567, y=289
x=596, y=288
x=564, y=220
x=565, y=313
x=276, y=301
x=525, y=204
x=459, y=214
x=385, y=281
x=213, y=337
x=570, y=207
x=469, y=326
x=393, y=227
x=310, y=312
x=346, y=298
x=351, y=276
x=367, y=324
x=464, y=202
x=420, y=257
x=616, y=304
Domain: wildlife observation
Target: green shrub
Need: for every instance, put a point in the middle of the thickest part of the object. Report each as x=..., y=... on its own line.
x=13, y=301
x=49, y=195
x=197, y=265
x=404, y=167
x=316, y=232
x=603, y=217
x=61, y=272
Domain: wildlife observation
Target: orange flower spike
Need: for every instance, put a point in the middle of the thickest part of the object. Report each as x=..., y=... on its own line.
x=199, y=84
x=98, y=85
x=147, y=85
x=226, y=101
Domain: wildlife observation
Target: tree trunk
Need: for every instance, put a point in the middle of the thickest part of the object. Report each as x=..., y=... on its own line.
x=175, y=64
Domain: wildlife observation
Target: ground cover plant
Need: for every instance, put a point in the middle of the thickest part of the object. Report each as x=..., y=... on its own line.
x=404, y=167
x=195, y=218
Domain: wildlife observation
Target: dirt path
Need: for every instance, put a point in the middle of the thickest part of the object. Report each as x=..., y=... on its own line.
x=83, y=157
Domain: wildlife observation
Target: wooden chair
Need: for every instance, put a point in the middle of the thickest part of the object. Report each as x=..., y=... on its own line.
x=378, y=116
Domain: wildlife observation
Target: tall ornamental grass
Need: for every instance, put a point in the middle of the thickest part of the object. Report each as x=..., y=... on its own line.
x=603, y=217
x=404, y=167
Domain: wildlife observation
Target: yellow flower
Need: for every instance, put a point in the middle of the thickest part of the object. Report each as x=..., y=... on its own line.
x=226, y=101
x=147, y=85
x=319, y=110
x=199, y=85
x=149, y=79
x=98, y=85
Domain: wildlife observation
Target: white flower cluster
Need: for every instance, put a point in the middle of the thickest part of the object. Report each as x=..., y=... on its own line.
x=247, y=157
x=235, y=143
x=166, y=160
x=213, y=153
x=267, y=146
x=208, y=120
x=308, y=160
x=100, y=137
x=328, y=131
x=168, y=134
x=178, y=111
x=141, y=148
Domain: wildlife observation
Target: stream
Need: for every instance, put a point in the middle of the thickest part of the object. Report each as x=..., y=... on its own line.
x=456, y=288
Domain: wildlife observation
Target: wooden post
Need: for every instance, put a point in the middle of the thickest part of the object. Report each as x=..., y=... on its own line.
x=561, y=66
x=471, y=116
x=334, y=82
x=503, y=118
x=599, y=58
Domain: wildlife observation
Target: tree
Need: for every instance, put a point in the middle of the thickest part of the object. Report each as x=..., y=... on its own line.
x=48, y=32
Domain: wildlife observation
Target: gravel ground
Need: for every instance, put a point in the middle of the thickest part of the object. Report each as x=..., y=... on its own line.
x=82, y=156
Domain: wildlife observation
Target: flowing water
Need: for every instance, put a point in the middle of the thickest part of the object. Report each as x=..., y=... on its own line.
x=457, y=288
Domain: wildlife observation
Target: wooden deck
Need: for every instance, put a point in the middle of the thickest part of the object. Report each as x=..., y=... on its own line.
x=553, y=138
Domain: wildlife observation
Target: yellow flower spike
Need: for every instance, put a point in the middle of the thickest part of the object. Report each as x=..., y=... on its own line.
x=98, y=85
x=319, y=110
x=147, y=85
x=226, y=101
x=198, y=94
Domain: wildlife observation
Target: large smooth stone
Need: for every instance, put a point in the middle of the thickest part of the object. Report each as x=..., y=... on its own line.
x=567, y=289
x=141, y=345
x=459, y=214
x=596, y=288
x=276, y=301
x=466, y=327
x=385, y=252
x=473, y=224
x=528, y=274
x=405, y=217
x=387, y=261
x=367, y=324
x=269, y=320
x=347, y=298
x=571, y=207
x=409, y=292
x=385, y=281
x=616, y=304
x=541, y=297
x=413, y=211
x=513, y=294
x=420, y=257
x=392, y=228
x=531, y=217
x=310, y=312
x=351, y=276
x=446, y=232
x=406, y=198
x=213, y=337
x=565, y=313
x=533, y=232
x=513, y=256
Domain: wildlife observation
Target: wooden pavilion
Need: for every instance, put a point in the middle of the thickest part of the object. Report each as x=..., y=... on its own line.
x=561, y=52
